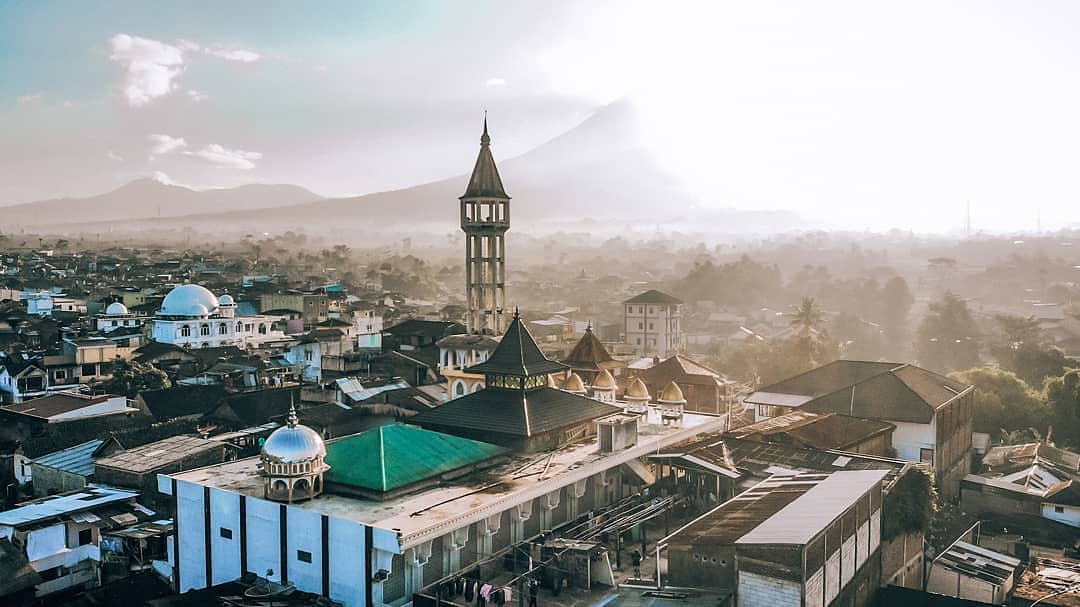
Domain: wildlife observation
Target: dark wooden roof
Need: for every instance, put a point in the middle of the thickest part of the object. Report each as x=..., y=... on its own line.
x=517, y=355
x=652, y=296
x=514, y=412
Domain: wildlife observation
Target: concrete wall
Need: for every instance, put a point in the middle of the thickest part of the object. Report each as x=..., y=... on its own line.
x=710, y=567
x=951, y=583
x=1070, y=515
x=318, y=554
x=756, y=590
x=50, y=481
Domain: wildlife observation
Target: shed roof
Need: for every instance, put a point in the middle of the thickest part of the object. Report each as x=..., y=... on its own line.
x=63, y=504
x=76, y=460
x=158, y=454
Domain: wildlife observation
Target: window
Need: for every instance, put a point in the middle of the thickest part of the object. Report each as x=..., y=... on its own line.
x=639, y=341
x=1059, y=509
x=185, y=331
x=303, y=556
x=60, y=374
x=204, y=330
x=114, y=323
x=89, y=370
x=225, y=532
x=309, y=355
x=223, y=329
x=926, y=456
x=86, y=536
x=650, y=326
x=641, y=325
x=262, y=329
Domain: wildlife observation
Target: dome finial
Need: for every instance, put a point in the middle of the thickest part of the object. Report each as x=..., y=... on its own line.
x=485, y=139
x=516, y=314
x=293, y=419
x=588, y=327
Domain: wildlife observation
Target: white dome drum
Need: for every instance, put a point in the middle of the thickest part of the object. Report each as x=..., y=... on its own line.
x=189, y=300
x=116, y=309
x=292, y=462
x=226, y=300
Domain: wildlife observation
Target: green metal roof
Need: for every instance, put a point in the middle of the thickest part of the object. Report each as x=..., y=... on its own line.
x=395, y=456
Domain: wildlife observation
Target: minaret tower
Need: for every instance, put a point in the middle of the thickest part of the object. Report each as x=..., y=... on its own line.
x=485, y=218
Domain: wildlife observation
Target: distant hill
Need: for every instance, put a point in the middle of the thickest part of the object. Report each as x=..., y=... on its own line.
x=150, y=198
x=597, y=175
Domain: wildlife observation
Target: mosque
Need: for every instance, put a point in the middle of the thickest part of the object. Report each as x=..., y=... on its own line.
x=193, y=317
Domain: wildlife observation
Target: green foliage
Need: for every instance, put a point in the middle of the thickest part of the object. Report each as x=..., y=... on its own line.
x=1063, y=396
x=738, y=283
x=1017, y=345
x=130, y=377
x=911, y=504
x=1004, y=401
x=947, y=338
x=764, y=362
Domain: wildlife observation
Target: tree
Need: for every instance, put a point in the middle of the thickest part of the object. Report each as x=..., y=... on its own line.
x=947, y=338
x=896, y=301
x=1004, y=402
x=1063, y=396
x=809, y=343
x=1017, y=345
x=131, y=377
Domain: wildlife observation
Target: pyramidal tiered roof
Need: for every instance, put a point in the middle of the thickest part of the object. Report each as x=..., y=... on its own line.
x=485, y=181
x=517, y=355
x=589, y=354
x=502, y=415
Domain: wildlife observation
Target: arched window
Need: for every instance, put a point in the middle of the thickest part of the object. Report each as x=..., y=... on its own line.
x=239, y=327
x=223, y=329
x=459, y=388
x=262, y=329
x=280, y=486
x=476, y=387
x=204, y=330
x=185, y=331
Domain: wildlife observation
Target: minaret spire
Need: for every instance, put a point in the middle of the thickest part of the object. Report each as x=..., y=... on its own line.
x=485, y=139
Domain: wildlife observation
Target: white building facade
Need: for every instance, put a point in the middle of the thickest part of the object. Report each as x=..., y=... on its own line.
x=193, y=317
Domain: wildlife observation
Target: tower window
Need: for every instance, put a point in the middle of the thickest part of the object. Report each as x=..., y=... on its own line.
x=225, y=532
x=303, y=556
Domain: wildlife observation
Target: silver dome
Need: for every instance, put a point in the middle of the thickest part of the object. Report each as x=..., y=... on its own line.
x=116, y=308
x=293, y=444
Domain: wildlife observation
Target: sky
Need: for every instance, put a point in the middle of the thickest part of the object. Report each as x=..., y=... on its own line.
x=854, y=114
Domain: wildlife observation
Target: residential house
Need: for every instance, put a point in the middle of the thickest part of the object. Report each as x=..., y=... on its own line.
x=72, y=468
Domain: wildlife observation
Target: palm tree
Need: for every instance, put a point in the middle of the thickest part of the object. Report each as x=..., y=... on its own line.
x=807, y=317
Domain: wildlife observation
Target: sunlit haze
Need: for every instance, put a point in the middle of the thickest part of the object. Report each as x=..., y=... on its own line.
x=853, y=115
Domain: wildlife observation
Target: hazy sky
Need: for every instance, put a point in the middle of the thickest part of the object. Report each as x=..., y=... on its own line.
x=858, y=114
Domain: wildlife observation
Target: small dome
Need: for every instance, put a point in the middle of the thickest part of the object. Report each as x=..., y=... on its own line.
x=116, y=309
x=189, y=300
x=637, y=390
x=672, y=394
x=574, y=384
x=604, y=381
x=226, y=300
x=293, y=444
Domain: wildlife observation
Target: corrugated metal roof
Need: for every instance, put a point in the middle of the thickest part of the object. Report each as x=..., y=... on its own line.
x=978, y=562
x=76, y=460
x=798, y=522
x=776, y=398
x=61, y=505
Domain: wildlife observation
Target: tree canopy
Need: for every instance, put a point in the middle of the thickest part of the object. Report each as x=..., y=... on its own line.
x=947, y=338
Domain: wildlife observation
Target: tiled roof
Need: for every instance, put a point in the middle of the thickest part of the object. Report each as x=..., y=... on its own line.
x=517, y=355
x=590, y=355
x=514, y=412
x=56, y=404
x=652, y=296
x=682, y=370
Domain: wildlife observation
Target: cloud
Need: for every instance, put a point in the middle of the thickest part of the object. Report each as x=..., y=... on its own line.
x=68, y=104
x=238, y=55
x=111, y=155
x=150, y=67
x=31, y=98
x=227, y=158
x=187, y=45
x=163, y=144
x=495, y=82
x=197, y=95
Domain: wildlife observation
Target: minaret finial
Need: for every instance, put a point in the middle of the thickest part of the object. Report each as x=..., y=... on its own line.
x=293, y=419
x=516, y=311
x=588, y=328
x=485, y=139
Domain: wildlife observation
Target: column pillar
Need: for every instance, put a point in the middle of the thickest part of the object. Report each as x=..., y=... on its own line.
x=574, y=493
x=415, y=559
x=452, y=543
x=485, y=534
x=518, y=515
x=548, y=504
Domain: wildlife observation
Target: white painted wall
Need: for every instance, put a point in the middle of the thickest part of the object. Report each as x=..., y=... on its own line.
x=113, y=405
x=1070, y=515
x=43, y=543
x=263, y=543
x=847, y=561
x=909, y=438
x=875, y=530
x=832, y=577
x=304, y=532
x=815, y=589
x=224, y=552
x=863, y=546
x=190, y=536
x=347, y=554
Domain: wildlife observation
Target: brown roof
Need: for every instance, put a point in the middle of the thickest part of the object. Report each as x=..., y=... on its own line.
x=590, y=355
x=682, y=370
x=56, y=404
x=159, y=454
x=816, y=430
x=485, y=181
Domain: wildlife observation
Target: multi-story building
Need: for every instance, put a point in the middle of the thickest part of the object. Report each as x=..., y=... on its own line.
x=932, y=413
x=313, y=307
x=193, y=317
x=652, y=324
x=794, y=539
